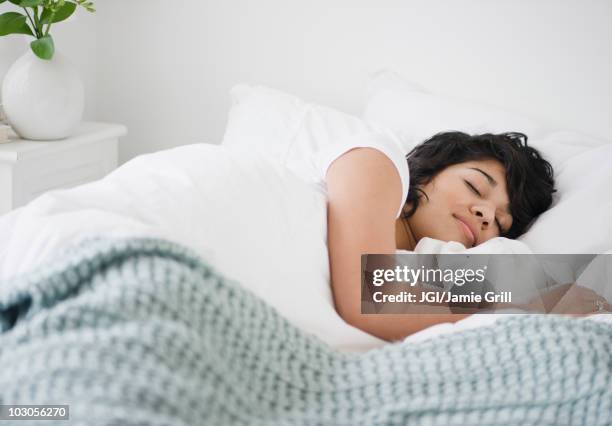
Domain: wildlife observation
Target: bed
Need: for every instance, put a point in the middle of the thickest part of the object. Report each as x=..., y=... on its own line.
x=263, y=162
x=248, y=211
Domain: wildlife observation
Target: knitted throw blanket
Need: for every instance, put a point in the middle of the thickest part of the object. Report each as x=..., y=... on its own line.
x=142, y=331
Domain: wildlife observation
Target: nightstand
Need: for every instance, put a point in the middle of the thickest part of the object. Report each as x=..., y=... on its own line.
x=30, y=168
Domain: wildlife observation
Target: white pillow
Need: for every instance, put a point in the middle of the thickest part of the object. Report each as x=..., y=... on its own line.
x=263, y=119
x=290, y=129
x=580, y=220
x=415, y=114
x=284, y=126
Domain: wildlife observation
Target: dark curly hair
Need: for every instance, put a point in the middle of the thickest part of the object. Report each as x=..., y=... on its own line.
x=529, y=177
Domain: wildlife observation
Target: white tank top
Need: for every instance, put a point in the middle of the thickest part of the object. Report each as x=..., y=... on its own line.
x=322, y=159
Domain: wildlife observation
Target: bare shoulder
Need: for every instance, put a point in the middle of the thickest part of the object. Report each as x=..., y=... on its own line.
x=367, y=176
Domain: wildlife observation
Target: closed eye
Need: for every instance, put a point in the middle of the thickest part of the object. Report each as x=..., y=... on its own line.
x=475, y=191
x=473, y=188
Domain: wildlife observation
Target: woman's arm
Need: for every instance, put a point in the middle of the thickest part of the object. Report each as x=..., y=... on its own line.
x=364, y=191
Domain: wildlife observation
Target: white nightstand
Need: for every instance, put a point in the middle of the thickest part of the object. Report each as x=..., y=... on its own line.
x=29, y=168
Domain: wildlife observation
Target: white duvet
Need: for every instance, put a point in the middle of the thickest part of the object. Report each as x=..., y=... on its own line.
x=253, y=219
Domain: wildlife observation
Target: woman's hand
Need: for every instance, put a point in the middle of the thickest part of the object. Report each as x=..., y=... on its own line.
x=570, y=299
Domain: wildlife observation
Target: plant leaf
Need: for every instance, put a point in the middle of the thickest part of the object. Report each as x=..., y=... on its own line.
x=30, y=3
x=43, y=47
x=14, y=23
x=62, y=13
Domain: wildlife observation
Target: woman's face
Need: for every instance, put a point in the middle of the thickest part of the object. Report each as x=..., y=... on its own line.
x=468, y=203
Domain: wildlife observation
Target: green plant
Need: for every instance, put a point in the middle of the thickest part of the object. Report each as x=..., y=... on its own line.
x=37, y=21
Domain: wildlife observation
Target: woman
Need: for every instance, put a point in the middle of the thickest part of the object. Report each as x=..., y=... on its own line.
x=452, y=187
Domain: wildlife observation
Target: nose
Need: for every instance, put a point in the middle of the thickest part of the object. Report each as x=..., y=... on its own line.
x=485, y=214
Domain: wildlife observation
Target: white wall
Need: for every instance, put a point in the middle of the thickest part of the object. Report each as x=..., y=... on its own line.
x=164, y=68
x=78, y=40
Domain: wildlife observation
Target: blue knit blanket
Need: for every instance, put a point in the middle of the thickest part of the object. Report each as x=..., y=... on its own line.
x=142, y=331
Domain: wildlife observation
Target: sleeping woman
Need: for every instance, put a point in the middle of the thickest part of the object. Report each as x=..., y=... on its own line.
x=452, y=187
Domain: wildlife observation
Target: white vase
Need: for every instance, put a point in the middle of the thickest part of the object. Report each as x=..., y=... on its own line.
x=43, y=99
x=11, y=48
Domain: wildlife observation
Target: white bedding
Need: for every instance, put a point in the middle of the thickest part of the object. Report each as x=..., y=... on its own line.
x=252, y=218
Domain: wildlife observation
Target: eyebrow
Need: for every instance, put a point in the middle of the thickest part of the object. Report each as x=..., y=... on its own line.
x=492, y=182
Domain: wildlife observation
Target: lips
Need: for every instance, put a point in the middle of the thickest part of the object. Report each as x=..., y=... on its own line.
x=467, y=230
